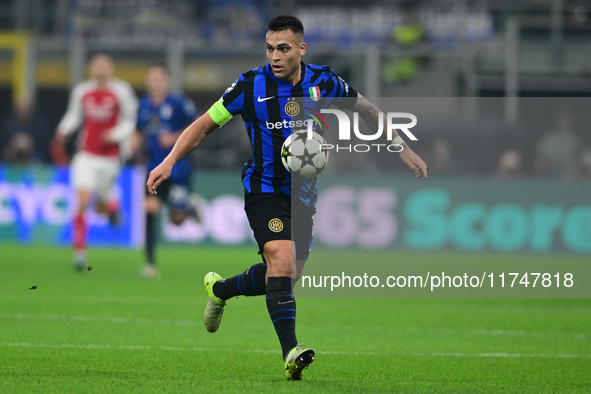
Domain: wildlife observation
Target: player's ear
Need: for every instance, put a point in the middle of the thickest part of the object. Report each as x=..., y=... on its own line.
x=302, y=48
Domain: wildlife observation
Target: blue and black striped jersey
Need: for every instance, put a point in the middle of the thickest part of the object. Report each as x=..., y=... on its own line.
x=174, y=114
x=272, y=109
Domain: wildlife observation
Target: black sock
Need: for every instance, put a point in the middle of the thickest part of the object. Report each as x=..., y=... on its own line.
x=249, y=283
x=282, y=310
x=151, y=236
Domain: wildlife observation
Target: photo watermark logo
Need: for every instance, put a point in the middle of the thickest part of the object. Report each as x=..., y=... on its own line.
x=344, y=132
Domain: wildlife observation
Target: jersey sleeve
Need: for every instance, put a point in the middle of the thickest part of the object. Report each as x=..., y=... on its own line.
x=143, y=116
x=189, y=111
x=127, y=113
x=231, y=103
x=73, y=117
x=345, y=95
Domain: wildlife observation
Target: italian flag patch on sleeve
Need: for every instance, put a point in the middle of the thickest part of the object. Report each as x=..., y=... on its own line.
x=315, y=93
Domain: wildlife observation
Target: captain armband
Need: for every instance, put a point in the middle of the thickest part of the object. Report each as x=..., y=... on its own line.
x=219, y=113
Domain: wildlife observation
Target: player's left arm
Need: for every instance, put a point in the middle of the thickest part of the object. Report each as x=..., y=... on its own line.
x=370, y=114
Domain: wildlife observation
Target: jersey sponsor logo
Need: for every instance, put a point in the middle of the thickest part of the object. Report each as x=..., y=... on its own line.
x=99, y=111
x=260, y=100
x=275, y=225
x=315, y=93
x=289, y=123
x=292, y=108
x=166, y=111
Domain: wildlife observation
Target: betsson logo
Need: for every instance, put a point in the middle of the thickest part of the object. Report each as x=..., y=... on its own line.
x=308, y=123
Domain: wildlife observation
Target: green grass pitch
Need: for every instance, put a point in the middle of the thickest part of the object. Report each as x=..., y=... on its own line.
x=106, y=330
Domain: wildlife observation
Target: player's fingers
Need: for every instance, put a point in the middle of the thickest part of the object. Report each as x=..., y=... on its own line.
x=422, y=171
x=418, y=173
x=152, y=184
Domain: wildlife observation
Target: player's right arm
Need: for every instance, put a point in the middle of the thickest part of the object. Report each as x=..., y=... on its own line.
x=73, y=116
x=69, y=123
x=189, y=139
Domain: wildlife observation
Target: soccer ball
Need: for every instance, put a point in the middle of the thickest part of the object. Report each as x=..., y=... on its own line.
x=303, y=156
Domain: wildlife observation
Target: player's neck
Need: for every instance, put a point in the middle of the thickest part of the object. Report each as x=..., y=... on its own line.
x=295, y=77
x=158, y=98
x=102, y=83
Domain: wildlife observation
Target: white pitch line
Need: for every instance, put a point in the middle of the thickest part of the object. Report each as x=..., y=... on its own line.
x=327, y=353
x=102, y=298
x=94, y=319
x=502, y=355
x=197, y=323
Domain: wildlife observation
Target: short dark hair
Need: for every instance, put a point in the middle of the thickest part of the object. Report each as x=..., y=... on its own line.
x=100, y=52
x=286, y=22
x=161, y=65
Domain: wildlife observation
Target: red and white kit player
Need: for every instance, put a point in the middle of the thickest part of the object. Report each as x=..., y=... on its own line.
x=106, y=108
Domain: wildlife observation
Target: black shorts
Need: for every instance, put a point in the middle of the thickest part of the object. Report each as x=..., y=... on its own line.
x=270, y=217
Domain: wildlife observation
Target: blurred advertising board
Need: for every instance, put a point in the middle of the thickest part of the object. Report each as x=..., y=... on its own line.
x=363, y=212
x=37, y=205
x=397, y=212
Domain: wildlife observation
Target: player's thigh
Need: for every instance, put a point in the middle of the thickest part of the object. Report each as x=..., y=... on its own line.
x=108, y=172
x=84, y=172
x=269, y=216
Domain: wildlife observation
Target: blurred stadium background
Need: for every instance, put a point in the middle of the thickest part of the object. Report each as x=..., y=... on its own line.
x=486, y=54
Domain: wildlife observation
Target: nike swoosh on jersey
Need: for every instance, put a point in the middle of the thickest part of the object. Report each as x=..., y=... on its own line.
x=286, y=302
x=260, y=100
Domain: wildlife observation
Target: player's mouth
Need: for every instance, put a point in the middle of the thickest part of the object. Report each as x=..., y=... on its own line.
x=277, y=68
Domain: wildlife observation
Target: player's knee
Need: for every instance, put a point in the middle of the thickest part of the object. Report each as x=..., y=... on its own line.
x=280, y=258
x=101, y=206
x=83, y=200
x=152, y=205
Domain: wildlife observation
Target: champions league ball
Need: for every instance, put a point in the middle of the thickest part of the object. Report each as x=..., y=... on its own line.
x=303, y=156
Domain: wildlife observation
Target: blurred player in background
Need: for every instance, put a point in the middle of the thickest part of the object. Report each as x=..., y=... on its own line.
x=106, y=108
x=263, y=97
x=162, y=117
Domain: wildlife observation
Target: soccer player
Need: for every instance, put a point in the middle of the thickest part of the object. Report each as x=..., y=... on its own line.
x=106, y=108
x=264, y=98
x=162, y=117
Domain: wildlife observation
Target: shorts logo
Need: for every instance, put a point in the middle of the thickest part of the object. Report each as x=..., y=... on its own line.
x=275, y=225
x=292, y=108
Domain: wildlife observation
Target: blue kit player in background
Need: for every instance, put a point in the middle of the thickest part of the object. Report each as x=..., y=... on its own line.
x=267, y=100
x=162, y=116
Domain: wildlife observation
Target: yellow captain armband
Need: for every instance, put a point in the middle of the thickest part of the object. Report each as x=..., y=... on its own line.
x=219, y=113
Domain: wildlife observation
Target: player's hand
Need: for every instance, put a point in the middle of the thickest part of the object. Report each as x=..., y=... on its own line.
x=108, y=138
x=414, y=162
x=158, y=175
x=57, y=149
